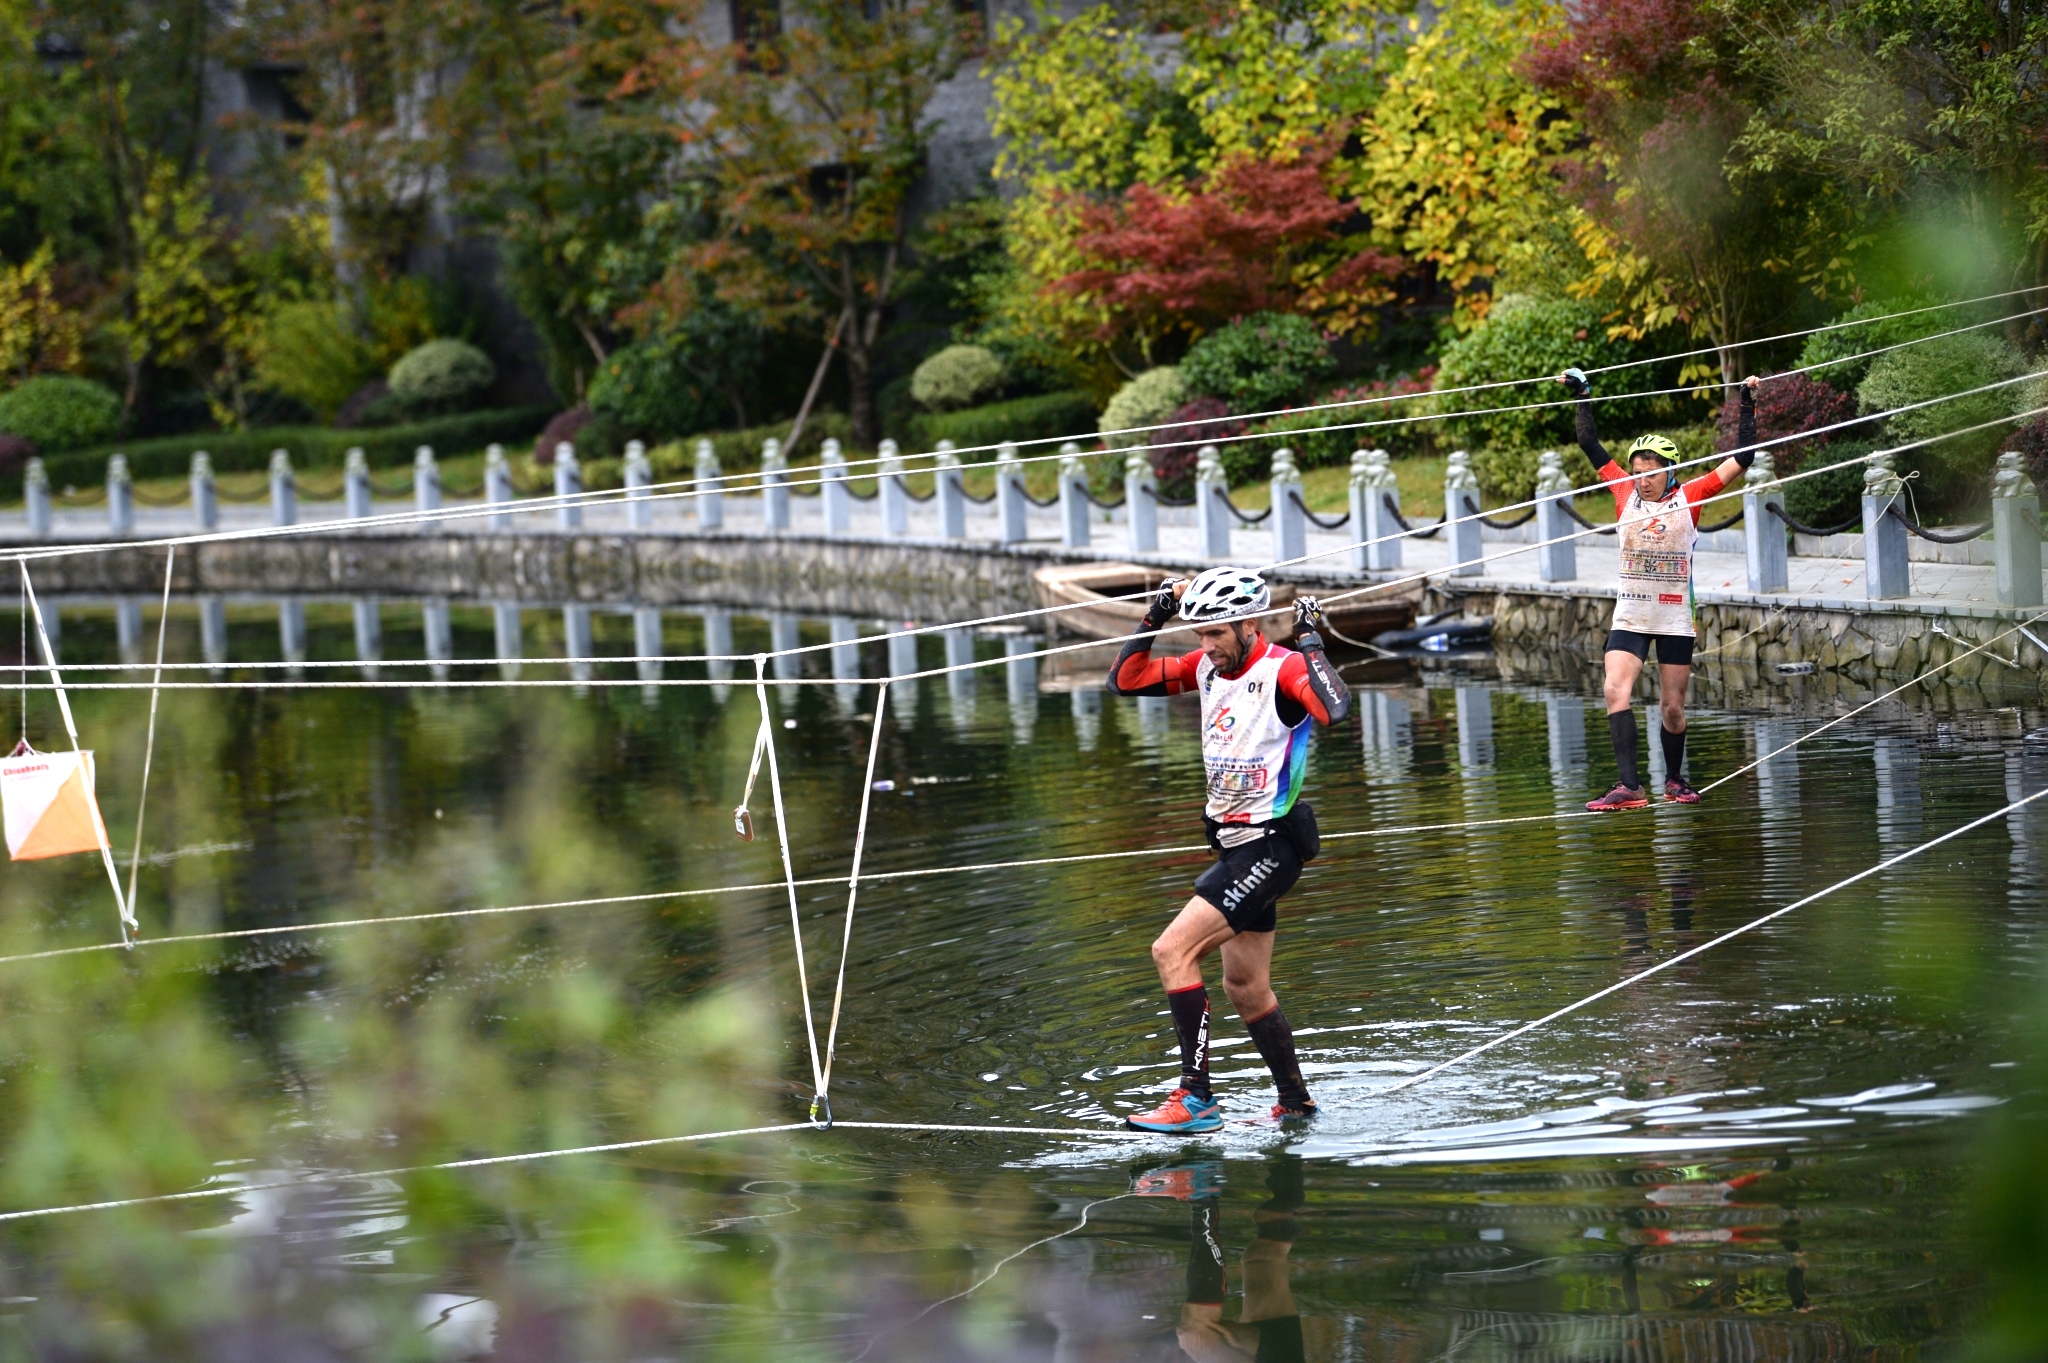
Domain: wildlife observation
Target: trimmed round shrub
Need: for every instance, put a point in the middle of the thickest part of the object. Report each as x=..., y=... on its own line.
x=1260, y=362
x=59, y=412
x=442, y=376
x=646, y=390
x=1147, y=400
x=1525, y=337
x=1509, y=475
x=1827, y=347
x=1954, y=471
x=958, y=376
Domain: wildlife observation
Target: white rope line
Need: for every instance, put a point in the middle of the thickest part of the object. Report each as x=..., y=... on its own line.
x=610, y=1148
x=85, y=764
x=1421, y=575
x=1663, y=965
x=692, y=487
x=860, y=842
x=796, y=927
x=163, y=625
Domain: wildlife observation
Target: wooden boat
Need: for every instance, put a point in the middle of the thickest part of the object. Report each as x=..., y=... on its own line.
x=1089, y=591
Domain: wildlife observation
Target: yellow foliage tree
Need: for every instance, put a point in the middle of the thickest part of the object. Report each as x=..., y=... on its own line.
x=37, y=333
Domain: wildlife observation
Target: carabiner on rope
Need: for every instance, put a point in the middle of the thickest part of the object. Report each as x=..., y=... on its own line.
x=821, y=1112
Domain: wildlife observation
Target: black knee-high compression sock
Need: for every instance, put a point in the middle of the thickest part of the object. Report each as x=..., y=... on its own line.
x=1622, y=724
x=1205, y=1258
x=1674, y=752
x=1191, y=1024
x=1275, y=1040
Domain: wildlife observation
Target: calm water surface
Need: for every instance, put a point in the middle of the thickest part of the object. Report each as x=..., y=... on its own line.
x=1766, y=1151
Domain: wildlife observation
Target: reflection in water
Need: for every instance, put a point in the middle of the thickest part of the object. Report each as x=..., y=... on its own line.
x=369, y=621
x=1761, y=1153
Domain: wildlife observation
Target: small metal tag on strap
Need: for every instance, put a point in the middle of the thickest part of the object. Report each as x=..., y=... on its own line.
x=742, y=821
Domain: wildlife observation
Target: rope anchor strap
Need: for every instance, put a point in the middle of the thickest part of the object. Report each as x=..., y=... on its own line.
x=742, y=821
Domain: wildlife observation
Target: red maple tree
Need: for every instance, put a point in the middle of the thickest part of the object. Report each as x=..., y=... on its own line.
x=1253, y=236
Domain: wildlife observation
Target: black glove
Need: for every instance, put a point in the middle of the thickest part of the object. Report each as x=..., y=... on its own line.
x=1309, y=622
x=1575, y=382
x=1164, y=604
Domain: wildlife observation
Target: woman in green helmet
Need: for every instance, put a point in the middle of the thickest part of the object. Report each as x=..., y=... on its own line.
x=1657, y=521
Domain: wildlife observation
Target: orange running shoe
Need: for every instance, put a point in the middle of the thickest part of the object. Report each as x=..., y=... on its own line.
x=1183, y=1114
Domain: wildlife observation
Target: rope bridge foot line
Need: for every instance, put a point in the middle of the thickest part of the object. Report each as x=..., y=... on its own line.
x=1412, y=1080
x=614, y=1147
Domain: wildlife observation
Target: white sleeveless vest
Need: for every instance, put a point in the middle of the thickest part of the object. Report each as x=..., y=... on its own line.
x=1656, y=566
x=1254, y=761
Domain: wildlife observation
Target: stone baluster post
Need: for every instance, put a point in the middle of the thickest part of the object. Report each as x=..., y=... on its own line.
x=1765, y=538
x=1556, y=561
x=1141, y=503
x=1212, y=508
x=120, y=498
x=205, y=504
x=832, y=491
x=710, y=490
x=1073, y=497
x=1011, y=524
x=639, y=474
x=1373, y=487
x=895, y=496
x=355, y=483
x=1886, y=574
x=284, y=489
x=1290, y=513
x=35, y=496
x=568, y=484
x=774, y=486
x=2016, y=530
x=497, y=484
x=1461, y=508
x=952, y=492
x=426, y=485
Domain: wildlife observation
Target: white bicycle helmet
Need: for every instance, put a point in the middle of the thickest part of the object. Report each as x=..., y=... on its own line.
x=1222, y=594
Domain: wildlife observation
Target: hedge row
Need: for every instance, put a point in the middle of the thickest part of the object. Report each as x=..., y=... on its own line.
x=1035, y=418
x=312, y=447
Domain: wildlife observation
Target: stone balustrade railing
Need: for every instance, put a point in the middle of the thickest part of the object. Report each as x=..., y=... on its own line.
x=1373, y=521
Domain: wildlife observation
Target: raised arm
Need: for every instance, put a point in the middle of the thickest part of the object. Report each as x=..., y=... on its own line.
x=1580, y=387
x=1308, y=680
x=1737, y=463
x=1136, y=672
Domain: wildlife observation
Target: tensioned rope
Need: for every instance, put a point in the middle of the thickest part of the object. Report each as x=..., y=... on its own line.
x=610, y=1148
x=1047, y=610
x=1730, y=936
x=1028, y=863
x=163, y=626
x=233, y=1189
x=691, y=488
x=129, y=927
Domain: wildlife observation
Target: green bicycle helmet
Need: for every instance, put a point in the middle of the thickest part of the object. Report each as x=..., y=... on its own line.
x=1657, y=447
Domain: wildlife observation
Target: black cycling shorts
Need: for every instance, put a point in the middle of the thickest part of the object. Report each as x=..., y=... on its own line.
x=1247, y=881
x=1673, y=650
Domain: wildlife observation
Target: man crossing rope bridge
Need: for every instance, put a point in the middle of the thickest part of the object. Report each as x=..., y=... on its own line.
x=1258, y=700
x=1659, y=522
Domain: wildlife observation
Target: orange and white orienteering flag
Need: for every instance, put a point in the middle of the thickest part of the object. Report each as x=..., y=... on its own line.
x=47, y=800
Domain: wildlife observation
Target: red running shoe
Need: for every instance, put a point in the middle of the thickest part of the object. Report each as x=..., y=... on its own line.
x=1678, y=791
x=1283, y=1113
x=1621, y=797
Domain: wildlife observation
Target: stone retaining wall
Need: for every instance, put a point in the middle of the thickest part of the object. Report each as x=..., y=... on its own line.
x=1863, y=647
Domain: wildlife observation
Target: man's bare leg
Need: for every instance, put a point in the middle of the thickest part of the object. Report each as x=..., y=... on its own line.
x=1672, y=681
